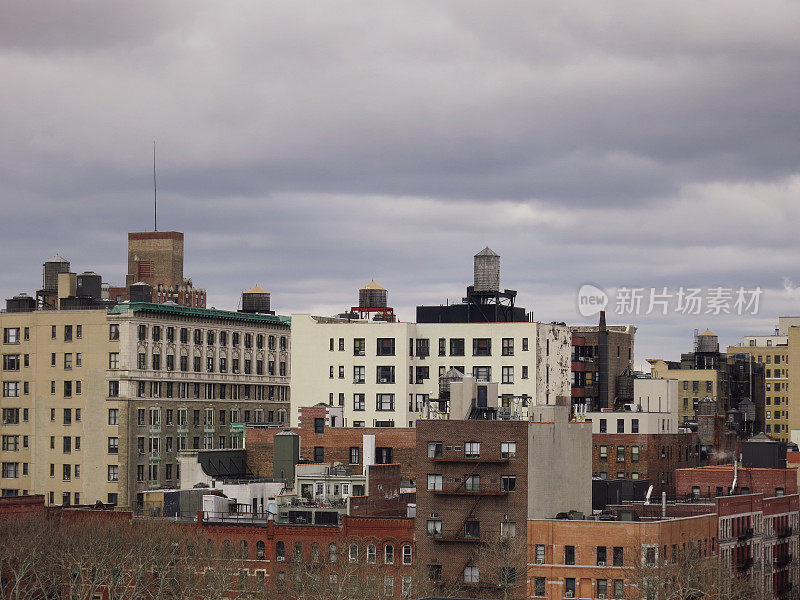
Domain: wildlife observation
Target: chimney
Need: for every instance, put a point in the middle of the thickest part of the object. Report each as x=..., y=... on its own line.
x=602, y=320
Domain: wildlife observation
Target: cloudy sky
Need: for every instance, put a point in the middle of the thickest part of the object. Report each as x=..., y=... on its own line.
x=309, y=147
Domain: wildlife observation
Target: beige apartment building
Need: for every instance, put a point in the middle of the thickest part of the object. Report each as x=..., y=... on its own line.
x=97, y=404
x=779, y=355
x=382, y=373
x=693, y=385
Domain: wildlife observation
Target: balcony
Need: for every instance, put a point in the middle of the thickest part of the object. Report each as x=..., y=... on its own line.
x=785, y=532
x=745, y=535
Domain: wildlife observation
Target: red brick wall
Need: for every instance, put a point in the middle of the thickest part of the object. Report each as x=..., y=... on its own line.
x=336, y=441
x=759, y=481
x=652, y=465
x=21, y=505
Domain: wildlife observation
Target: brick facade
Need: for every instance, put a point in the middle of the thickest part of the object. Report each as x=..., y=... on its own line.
x=658, y=457
x=336, y=443
x=717, y=480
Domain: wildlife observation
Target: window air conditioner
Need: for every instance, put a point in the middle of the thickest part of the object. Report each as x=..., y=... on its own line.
x=539, y=561
x=601, y=563
x=569, y=595
x=601, y=596
x=384, y=380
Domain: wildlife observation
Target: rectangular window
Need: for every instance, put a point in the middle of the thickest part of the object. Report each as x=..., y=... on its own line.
x=472, y=449
x=435, y=482
x=456, y=346
x=113, y=472
x=508, y=449
x=385, y=374
x=385, y=347
x=385, y=402
x=11, y=335
x=634, y=453
x=618, y=556
x=603, y=425
x=569, y=555
x=508, y=483
x=434, y=527
x=435, y=449
x=355, y=455
x=508, y=347
x=481, y=347
x=358, y=402
x=508, y=375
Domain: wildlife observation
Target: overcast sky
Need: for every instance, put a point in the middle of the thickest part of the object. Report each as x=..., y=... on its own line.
x=309, y=147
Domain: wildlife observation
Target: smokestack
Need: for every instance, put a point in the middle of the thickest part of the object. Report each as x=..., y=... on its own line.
x=603, y=364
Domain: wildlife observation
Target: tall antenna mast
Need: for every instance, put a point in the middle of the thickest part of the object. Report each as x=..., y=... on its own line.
x=155, y=191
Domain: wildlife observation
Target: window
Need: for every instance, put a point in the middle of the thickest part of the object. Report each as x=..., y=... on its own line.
x=569, y=587
x=508, y=449
x=620, y=425
x=10, y=416
x=435, y=482
x=619, y=588
x=11, y=362
x=10, y=389
x=406, y=554
x=10, y=470
x=508, y=483
x=385, y=374
x=508, y=347
x=388, y=554
x=385, y=402
x=359, y=374
x=603, y=425
x=602, y=588
x=471, y=574
x=634, y=425
x=524, y=371
x=601, y=556
x=406, y=586
x=472, y=529
x=508, y=375
x=508, y=529
x=355, y=455
x=539, y=554
x=435, y=449
x=319, y=425
x=358, y=402
x=319, y=453
x=482, y=373
x=435, y=572
x=113, y=445
x=634, y=453
x=620, y=453
x=473, y=483
x=538, y=588
x=113, y=472
x=472, y=449
x=569, y=555
x=456, y=346
x=618, y=556
x=385, y=347
x=11, y=335
x=481, y=347
x=434, y=527
x=280, y=551
x=371, y=553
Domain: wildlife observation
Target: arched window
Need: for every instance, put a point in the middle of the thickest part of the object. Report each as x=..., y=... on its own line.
x=243, y=549
x=353, y=553
x=315, y=552
x=388, y=554
x=261, y=550
x=280, y=551
x=371, y=553
x=298, y=550
x=226, y=548
x=332, y=550
x=407, y=557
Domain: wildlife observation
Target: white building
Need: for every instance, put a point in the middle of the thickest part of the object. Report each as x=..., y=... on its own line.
x=654, y=410
x=381, y=372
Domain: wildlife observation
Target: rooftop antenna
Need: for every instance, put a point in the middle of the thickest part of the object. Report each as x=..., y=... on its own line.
x=155, y=191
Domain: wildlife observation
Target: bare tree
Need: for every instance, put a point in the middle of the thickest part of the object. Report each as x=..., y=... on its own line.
x=503, y=566
x=690, y=575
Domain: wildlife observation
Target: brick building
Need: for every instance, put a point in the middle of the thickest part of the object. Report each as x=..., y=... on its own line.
x=654, y=457
x=717, y=480
x=323, y=439
x=481, y=480
x=596, y=559
x=600, y=355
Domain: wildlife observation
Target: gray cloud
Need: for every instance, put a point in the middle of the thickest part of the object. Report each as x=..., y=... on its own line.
x=310, y=147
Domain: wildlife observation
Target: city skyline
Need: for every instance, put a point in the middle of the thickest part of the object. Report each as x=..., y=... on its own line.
x=311, y=150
